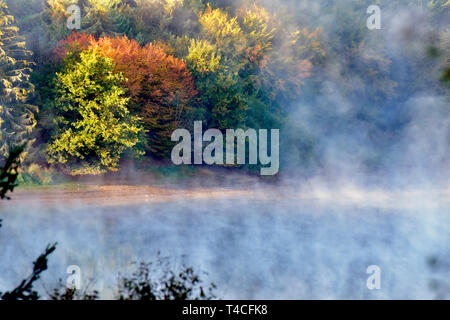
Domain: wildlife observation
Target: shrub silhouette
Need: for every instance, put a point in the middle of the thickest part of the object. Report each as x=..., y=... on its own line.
x=25, y=290
x=149, y=282
x=159, y=281
x=8, y=176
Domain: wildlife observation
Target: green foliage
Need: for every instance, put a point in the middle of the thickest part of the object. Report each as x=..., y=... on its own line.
x=9, y=172
x=99, y=18
x=94, y=125
x=223, y=99
x=54, y=19
x=247, y=66
x=147, y=21
x=103, y=17
x=224, y=30
x=17, y=116
x=155, y=20
x=203, y=57
x=35, y=175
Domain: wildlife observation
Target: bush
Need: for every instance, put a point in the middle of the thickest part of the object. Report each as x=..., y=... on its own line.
x=159, y=281
x=150, y=281
x=34, y=174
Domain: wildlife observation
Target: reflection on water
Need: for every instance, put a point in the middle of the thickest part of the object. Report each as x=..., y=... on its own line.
x=254, y=245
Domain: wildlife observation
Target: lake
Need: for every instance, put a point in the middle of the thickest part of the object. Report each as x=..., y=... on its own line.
x=271, y=242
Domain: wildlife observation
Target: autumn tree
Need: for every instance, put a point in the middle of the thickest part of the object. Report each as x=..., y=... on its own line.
x=73, y=45
x=94, y=125
x=17, y=116
x=159, y=85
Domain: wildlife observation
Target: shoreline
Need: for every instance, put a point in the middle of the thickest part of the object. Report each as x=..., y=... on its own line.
x=120, y=195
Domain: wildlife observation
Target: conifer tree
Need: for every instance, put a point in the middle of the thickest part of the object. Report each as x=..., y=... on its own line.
x=16, y=115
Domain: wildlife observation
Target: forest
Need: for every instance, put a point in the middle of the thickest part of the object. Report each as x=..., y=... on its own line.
x=83, y=101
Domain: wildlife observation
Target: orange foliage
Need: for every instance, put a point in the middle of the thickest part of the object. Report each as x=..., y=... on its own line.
x=73, y=43
x=148, y=68
x=160, y=86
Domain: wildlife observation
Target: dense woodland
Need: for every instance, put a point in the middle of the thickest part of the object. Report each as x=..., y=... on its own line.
x=84, y=100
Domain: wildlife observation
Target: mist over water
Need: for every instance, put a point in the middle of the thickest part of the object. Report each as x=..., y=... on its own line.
x=275, y=243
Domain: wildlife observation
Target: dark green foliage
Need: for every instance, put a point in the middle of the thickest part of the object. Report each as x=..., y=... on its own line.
x=123, y=24
x=9, y=172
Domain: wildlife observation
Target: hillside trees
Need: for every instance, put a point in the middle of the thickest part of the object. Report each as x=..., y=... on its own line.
x=239, y=64
x=143, y=20
x=17, y=116
x=243, y=67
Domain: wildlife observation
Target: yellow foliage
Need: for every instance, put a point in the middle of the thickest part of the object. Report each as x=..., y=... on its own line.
x=203, y=56
x=219, y=26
